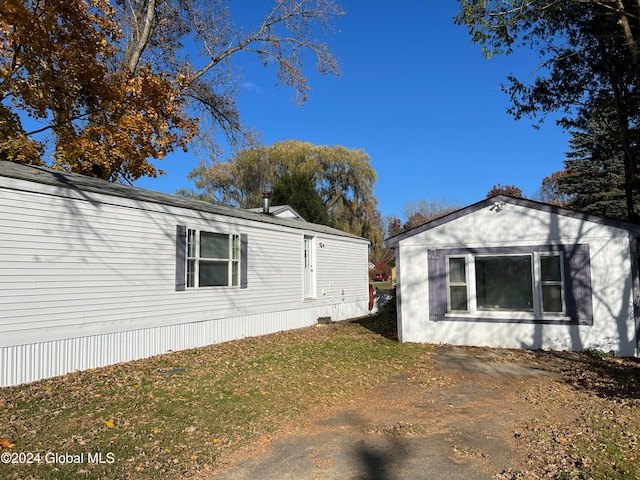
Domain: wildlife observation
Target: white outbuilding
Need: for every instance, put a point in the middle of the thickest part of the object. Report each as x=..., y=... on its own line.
x=94, y=273
x=514, y=273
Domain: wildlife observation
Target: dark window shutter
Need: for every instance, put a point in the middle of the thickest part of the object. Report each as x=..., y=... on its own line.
x=578, y=291
x=243, y=260
x=181, y=257
x=437, y=285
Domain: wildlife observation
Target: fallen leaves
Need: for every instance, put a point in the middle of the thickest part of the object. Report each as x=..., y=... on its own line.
x=591, y=421
x=5, y=444
x=221, y=398
x=214, y=399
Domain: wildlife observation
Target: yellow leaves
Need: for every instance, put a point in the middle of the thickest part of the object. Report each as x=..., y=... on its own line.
x=110, y=423
x=141, y=118
x=5, y=444
x=64, y=74
x=14, y=144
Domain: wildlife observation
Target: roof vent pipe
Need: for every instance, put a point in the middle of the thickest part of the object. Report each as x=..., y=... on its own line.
x=265, y=201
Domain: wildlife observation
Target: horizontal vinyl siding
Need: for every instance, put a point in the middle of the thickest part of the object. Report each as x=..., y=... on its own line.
x=80, y=276
x=512, y=225
x=342, y=276
x=81, y=263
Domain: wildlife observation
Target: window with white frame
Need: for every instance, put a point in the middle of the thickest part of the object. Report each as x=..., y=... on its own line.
x=531, y=282
x=213, y=259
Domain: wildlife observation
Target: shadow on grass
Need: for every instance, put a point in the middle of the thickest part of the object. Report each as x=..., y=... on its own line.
x=384, y=323
x=604, y=375
x=594, y=372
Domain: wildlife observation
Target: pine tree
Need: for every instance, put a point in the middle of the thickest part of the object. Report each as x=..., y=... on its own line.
x=594, y=179
x=297, y=190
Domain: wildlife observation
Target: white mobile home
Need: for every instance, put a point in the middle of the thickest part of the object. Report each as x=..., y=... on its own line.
x=514, y=273
x=94, y=273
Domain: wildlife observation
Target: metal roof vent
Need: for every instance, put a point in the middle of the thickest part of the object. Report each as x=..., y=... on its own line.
x=266, y=196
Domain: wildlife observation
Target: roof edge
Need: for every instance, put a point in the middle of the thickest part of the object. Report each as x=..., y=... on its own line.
x=632, y=228
x=73, y=181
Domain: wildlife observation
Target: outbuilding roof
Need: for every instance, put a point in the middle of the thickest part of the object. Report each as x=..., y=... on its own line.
x=83, y=183
x=498, y=201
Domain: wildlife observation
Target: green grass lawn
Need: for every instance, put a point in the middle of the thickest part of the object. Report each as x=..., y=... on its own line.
x=181, y=414
x=174, y=415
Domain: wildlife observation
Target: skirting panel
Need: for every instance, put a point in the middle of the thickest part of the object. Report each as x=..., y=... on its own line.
x=29, y=363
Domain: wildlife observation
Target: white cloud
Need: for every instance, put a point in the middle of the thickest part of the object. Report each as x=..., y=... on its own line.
x=251, y=87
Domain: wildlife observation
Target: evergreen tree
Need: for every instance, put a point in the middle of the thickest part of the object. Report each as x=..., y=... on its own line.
x=297, y=190
x=584, y=49
x=594, y=176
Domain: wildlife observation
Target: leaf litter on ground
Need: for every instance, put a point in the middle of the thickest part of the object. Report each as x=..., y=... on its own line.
x=179, y=415
x=174, y=415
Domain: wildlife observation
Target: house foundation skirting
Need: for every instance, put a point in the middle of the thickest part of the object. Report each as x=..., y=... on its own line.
x=28, y=363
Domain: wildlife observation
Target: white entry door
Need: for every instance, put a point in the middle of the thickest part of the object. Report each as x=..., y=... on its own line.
x=309, y=268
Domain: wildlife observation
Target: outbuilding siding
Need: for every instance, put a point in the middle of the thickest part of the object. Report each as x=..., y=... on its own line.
x=88, y=279
x=601, y=284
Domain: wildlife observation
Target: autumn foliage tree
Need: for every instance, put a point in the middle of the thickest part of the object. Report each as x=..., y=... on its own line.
x=510, y=190
x=106, y=87
x=55, y=69
x=551, y=192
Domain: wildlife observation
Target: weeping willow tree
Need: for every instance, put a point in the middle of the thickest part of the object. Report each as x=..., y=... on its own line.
x=343, y=179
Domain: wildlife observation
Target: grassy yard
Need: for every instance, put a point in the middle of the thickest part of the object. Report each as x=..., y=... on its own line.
x=178, y=415
x=174, y=415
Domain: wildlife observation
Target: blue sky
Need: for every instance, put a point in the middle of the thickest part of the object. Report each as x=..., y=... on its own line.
x=417, y=96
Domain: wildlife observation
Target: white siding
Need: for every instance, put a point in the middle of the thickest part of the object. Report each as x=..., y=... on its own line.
x=514, y=225
x=88, y=280
x=26, y=363
x=342, y=279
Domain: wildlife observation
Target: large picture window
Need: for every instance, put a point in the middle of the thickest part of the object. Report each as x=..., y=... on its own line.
x=504, y=282
x=539, y=284
x=213, y=259
x=507, y=283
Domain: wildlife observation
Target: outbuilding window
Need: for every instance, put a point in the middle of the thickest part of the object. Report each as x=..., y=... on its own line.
x=545, y=283
x=509, y=283
x=458, y=291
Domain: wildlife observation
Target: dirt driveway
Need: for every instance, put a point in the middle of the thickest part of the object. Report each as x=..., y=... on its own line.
x=455, y=416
